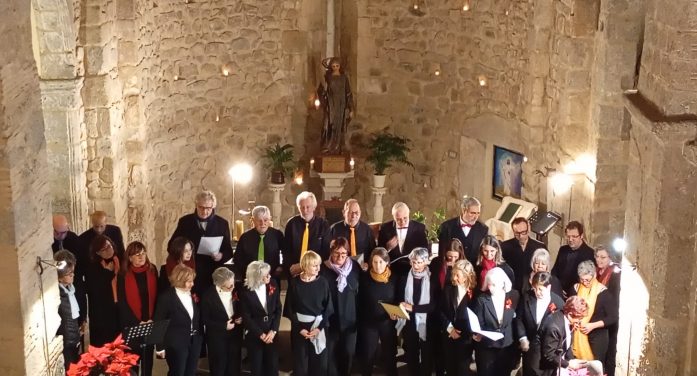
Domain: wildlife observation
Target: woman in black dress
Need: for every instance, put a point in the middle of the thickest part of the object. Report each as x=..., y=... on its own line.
x=457, y=335
x=101, y=291
x=375, y=326
x=309, y=308
x=180, y=251
x=220, y=312
x=137, y=292
x=183, y=339
x=495, y=309
x=609, y=274
x=261, y=314
x=342, y=274
x=416, y=293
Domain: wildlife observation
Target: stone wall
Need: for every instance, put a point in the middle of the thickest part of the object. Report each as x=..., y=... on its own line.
x=201, y=122
x=28, y=345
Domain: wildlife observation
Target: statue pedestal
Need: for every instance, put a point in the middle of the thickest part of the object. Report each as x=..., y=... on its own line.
x=332, y=183
x=276, y=206
x=377, y=207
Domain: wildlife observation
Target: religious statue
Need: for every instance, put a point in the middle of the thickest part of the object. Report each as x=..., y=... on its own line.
x=336, y=97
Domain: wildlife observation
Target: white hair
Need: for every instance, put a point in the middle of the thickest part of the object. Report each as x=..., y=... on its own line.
x=304, y=196
x=540, y=254
x=399, y=206
x=261, y=211
x=586, y=268
x=419, y=253
x=222, y=275
x=204, y=196
x=498, y=277
x=256, y=271
x=468, y=202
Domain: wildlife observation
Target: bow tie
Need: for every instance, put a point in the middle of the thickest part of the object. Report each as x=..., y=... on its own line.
x=463, y=225
x=402, y=228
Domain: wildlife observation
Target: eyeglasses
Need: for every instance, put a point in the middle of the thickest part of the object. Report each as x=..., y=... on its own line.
x=340, y=254
x=228, y=287
x=516, y=233
x=573, y=236
x=207, y=208
x=585, y=280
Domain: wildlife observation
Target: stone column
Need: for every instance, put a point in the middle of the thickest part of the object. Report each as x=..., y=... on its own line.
x=276, y=206
x=378, y=193
x=65, y=146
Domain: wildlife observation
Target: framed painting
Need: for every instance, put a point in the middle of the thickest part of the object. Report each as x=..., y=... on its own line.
x=508, y=173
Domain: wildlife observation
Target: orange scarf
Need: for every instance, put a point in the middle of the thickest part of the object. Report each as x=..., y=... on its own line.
x=581, y=345
x=104, y=263
x=383, y=277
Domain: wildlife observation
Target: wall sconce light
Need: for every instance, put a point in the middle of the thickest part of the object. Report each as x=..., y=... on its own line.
x=316, y=103
x=298, y=178
x=466, y=6
x=42, y=264
x=482, y=80
x=225, y=70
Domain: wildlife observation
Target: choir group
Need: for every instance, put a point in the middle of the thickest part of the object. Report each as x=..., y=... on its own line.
x=478, y=307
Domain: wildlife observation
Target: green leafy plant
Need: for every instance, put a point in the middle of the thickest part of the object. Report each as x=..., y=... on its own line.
x=432, y=226
x=386, y=149
x=279, y=159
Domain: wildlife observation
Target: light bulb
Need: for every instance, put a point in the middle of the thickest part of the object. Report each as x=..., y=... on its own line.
x=316, y=103
x=482, y=80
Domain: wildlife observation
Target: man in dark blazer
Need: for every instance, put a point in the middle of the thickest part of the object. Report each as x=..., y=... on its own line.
x=400, y=236
x=63, y=238
x=249, y=246
x=100, y=227
x=555, y=337
x=317, y=233
x=466, y=228
x=204, y=222
x=570, y=256
x=517, y=252
x=362, y=234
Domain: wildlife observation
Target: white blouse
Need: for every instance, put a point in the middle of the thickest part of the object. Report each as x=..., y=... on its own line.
x=261, y=294
x=187, y=301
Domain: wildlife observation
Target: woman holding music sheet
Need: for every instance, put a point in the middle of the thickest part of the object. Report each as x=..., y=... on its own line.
x=416, y=293
x=495, y=309
x=377, y=285
x=137, y=292
x=457, y=337
x=309, y=308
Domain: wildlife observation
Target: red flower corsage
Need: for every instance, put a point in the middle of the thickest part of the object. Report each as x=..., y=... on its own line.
x=469, y=294
x=194, y=297
x=235, y=297
x=509, y=304
x=552, y=307
x=271, y=288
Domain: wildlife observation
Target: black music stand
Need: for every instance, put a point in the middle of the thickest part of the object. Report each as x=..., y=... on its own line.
x=149, y=333
x=542, y=222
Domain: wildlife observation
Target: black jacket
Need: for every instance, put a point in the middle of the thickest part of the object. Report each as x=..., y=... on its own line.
x=415, y=237
x=526, y=325
x=486, y=313
x=345, y=315
x=456, y=314
x=451, y=229
x=181, y=325
x=555, y=352
x=256, y=320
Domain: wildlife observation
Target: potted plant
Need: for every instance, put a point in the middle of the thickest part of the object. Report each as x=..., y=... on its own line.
x=432, y=226
x=279, y=159
x=386, y=149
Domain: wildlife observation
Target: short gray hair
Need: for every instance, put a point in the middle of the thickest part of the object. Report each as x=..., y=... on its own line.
x=586, y=268
x=304, y=196
x=399, y=206
x=419, y=253
x=498, y=277
x=222, y=275
x=540, y=254
x=256, y=271
x=468, y=202
x=206, y=196
x=261, y=211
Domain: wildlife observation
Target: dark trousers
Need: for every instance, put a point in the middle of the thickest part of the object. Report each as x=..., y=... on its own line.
x=341, y=347
x=611, y=357
x=494, y=362
x=71, y=354
x=263, y=358
x=369, y=335
x=531, y=359
x=458, y=355
x=417, y=351
x=225, y=352
x=145, y=361
x=305, y=361
x=437, y=348
x=182, y=358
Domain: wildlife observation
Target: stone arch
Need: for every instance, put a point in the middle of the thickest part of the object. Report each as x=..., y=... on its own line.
x=58, y=61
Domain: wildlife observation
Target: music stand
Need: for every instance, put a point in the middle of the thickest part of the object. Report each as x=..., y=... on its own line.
x=149, y=333
x=542, y=222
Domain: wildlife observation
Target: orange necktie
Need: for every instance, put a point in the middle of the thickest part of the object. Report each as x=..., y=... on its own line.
x=306, y=240
x=353, y=241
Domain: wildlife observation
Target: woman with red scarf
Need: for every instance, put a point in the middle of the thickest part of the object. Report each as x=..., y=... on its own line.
x=181, y=251
x=490, y=257
x=137, y=292
x=608, y=273
x=101, y=291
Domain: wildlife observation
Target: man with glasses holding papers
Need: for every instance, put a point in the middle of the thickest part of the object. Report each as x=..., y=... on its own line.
x=210, y=233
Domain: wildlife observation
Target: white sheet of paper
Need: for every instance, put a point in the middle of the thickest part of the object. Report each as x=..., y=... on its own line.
x=474, y=324
x=360, y=259
x=209, y=245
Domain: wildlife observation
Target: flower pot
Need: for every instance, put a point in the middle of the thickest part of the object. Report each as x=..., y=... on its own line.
x=379, y=181
x=277, y=177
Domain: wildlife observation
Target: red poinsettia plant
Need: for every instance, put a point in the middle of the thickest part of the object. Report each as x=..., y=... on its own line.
x=110, y=359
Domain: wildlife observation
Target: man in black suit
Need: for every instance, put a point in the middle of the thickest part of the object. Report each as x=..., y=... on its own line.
x=356, y=231
x=261, y=243
x=63, y=238
x=100, y=227
x=400, y=236
x=518, y=251
x=466, y=228
x=555, y=337
x=570, y=256
x=297, y=242
x=205, y=223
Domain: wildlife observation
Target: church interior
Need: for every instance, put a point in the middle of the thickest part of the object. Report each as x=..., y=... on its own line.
x=131, y=107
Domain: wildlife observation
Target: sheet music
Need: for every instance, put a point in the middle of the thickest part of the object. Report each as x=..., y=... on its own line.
x=474, y=324
x=209, y=245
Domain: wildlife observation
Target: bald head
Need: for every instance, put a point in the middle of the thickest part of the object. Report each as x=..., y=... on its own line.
x=60, y=226
x=99, y=221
